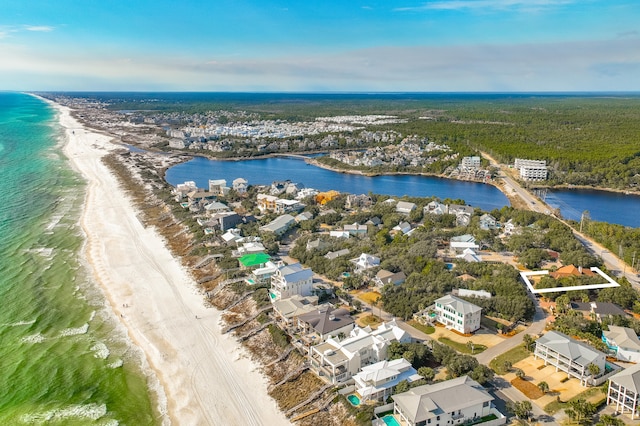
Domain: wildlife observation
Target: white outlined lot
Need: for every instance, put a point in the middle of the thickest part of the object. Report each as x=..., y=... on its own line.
x=609, y=282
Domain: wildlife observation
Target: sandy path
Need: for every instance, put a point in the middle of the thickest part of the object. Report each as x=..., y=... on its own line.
x=206, y=376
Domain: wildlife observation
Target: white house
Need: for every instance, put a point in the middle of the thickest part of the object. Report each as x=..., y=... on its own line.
x=488, y=222
x=375, y=382
x=218, y=186
x=364, y=262
x=338, y=360
x=240, y=185
x=624, y=391
x=470, y=162
x=289, y=280
x=452, y=402
x=457, y=314
x=569, y=355
x=624, y=341
x=405, y=207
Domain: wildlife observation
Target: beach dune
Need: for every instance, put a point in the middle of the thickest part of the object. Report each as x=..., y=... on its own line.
x=203, y=377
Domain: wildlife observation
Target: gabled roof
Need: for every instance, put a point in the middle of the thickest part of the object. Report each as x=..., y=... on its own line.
x=295, y=272
x=576, y=351
x=254, y=259
x=428, y=401
x=623, y=337
x=629, y=378
x=458, y=305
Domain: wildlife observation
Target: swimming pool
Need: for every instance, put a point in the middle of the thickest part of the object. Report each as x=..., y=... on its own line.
x=354, y=400
x=389, y=420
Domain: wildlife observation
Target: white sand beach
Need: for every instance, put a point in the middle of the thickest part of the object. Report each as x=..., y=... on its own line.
x=207, y=377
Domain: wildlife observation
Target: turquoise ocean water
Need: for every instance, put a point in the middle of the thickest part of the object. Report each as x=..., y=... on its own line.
x=63, y=358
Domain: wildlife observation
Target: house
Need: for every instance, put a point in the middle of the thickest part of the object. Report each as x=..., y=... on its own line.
x=263, y=274
x=358, y=201
x=325, y=321
x=285, y=206
x=317, y=244
x=240, y=185
x=457, y=208
x=279, y=225
x=434, y=207
x=403, y=227
x=199, y=195
x=488, y=222
x=463, y=292
x=248, y=248
x=569, y=355
x=304, y=216
x=457, y=401
x=571, y=270
x=332, y=255
x=470, y=162
x=216, y=207
x=253, y=260
x=375, y=221
x=323, y=198
x=405, y=207
x=266, y=202
x=355, y=229
x=469, y=255
x=218, y=186
x=289, y=280
x=339, y=234
x=338, y=360
x=598, y=310
x=624, y=391
x=231, y=236
x=460, y=243
x=624, y=341
x=364, y=262
x=457, y=314
x=182, y=189
x=226, y=220
x=384, y=277
x=375, y=382
x=288, y=310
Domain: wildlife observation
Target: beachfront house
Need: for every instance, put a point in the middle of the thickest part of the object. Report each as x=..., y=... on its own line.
x=289, y=280
x=457, y=314
x=326, y=321
x=569, y=355
x=375, y=382
x=624, y=342
x=287, y=311
x=457, y=401
x=338, y=360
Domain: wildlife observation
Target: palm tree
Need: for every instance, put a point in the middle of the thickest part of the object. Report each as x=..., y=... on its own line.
x=543, y=386
x=594, y=370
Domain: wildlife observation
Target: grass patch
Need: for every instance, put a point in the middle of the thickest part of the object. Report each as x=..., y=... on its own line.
x=426, y=329
x=514, y=355
x=593, y=395
x=462, y=347
x=370, y=319
x=487, y=418
x=369, y=297
x=529, y=389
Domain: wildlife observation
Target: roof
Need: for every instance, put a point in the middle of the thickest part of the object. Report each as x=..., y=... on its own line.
x=623, y=337
x=278, y=223
x=601, y=308
x=458, y=305
x=335, y=254
x=428, y=401
x=254, y=259
x=571, y=270
x=576, y=351
x=628, y=378
x=326, y=319
x=405, y=206
x=295, y=272
x=295, y=305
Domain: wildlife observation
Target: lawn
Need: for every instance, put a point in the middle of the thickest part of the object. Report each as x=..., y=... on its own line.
x=514, y=355
x=593, y=395
x=370, y=297
x=426, y=329
x=371, y=320
x=462, y=347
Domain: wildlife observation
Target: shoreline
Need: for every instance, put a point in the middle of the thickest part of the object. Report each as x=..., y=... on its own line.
x=203, y=375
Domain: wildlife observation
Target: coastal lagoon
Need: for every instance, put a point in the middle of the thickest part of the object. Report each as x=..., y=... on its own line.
x=64, y=360
x=265, y=171
x=603, y=206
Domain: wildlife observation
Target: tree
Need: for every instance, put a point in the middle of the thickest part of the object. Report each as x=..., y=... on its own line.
x=608, y=420
x=521, y=409
x=507, y=365
x=519, y=373
x=471, y=346
x=581, y=411
x=562, y=302
x=528, y=341
x=427, y=372
x=403, y=386
x=543, y=386
x=594, y=370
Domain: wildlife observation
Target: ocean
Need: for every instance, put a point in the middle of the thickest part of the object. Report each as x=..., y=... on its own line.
x=64, y=358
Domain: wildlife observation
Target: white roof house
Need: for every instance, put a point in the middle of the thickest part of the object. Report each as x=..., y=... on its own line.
x=405, y=207
x=457, y=314
x=454, y=401
x=279, y=225
x=376, y=381
x=289, y=280
x=624, y=391
x=624, y=341
x=365, y=261
x=339, y=360
x=569, y=355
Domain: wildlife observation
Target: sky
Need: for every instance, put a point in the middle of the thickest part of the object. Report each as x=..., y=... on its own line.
x=320, y=46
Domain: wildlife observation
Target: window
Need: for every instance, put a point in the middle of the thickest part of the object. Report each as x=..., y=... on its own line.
x=485, y=404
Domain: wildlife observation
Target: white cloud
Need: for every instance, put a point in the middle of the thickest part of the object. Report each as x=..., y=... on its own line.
x=39, y=28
